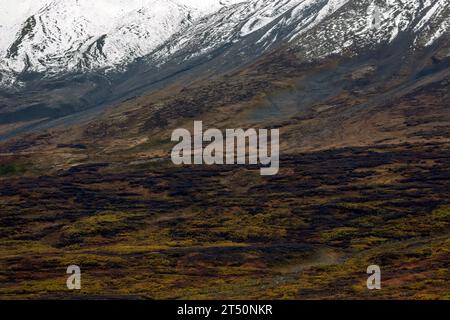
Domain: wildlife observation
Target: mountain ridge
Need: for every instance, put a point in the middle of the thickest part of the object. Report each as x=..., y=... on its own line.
x=159, y=30
x=235, y=34
x=62, y=36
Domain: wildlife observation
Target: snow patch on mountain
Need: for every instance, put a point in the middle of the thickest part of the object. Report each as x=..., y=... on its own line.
x=62, y=36
x=58, y=36
x=362, y=24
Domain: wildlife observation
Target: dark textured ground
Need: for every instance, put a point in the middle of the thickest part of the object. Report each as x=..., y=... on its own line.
x=364, y=179
x=212, y=232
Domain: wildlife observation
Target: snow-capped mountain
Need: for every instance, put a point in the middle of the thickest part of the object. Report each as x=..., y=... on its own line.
x=316, y=27
x=59, y=36
x=264, y=21
x=363, y=25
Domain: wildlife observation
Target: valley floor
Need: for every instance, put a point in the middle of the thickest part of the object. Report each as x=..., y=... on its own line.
x=152, y=230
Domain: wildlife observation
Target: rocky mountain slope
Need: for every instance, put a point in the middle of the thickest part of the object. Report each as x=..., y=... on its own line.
x=67, y=58
x=364, y=119
x=63, y=36
x=318, y=28
x=364, y=179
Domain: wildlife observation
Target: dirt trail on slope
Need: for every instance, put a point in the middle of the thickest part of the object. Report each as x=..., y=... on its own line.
x=322, y=257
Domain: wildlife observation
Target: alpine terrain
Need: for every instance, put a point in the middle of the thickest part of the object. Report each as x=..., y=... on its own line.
x=91, y=91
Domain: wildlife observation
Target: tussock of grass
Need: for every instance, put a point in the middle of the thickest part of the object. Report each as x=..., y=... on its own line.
x=10, y=169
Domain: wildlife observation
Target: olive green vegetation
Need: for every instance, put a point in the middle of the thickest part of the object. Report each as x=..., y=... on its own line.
x=11, y=169
x=204, y=232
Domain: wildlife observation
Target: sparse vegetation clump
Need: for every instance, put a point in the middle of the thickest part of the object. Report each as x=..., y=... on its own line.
x=9, y=169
